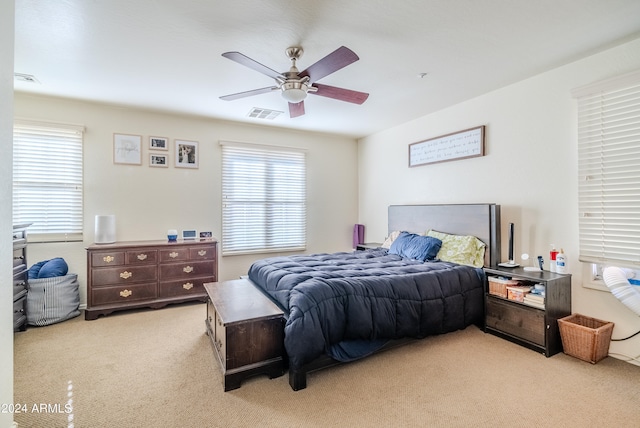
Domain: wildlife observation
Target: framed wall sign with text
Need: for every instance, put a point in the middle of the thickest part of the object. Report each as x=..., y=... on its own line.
x=458, y=145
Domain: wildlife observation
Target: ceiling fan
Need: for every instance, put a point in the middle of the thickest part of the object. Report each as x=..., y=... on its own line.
x=295, y=85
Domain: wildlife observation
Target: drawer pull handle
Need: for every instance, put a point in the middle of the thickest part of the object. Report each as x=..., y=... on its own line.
x=187, y=286
x=173, y=254
x=108, y=259
x=126, y=293
x=142, y=257
x=126, y=275
x=202, y=253
x=187, y=269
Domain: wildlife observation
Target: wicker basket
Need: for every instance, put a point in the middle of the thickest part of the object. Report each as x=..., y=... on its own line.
x=585, y=338
x=498, y=286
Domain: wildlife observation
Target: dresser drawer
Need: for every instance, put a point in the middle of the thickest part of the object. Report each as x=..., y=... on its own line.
x=107, y=258
x=186, y=270
x=19, y=314
x=202, y=253
x=20, y=276
x=174, y=254
x=123, y=275
x=19, y=270
x=183, y=287
x=19, y=293
x=141, y=257
x=518, y=320
x=19, y=261
x=123, y=294
x=19, y=241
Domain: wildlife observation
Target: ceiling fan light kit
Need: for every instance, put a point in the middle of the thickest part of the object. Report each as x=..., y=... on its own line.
x=295, y=85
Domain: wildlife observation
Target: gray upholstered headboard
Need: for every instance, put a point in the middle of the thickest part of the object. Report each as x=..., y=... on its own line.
x=479, y=220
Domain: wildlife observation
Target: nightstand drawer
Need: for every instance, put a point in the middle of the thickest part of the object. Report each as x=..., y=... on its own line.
x=123, y=294
x=518, y=320
x=123, y=275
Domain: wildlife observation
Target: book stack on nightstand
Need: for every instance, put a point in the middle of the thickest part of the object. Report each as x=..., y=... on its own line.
x=535, y=298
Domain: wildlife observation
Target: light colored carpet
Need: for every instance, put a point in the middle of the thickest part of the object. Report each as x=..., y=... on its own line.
x=156, y=368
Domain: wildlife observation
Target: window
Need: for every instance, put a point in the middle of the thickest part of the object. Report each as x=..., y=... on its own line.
x=609, y=173
x=47, y=180
x=263, y=199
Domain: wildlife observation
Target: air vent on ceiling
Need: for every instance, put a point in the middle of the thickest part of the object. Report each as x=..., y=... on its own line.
x=25, y=78
x=263, y=113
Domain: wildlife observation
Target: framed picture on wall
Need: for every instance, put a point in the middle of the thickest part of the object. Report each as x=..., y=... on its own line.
x=186, y=154
x=158, y=143
x=158, y=160
x=127, y=149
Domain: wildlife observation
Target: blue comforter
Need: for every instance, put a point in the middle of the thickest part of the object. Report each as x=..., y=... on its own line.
x=349, y=304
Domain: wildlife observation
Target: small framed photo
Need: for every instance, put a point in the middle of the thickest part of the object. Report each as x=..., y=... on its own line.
x=189, y=234
x=158, y=160
x=158, y=143
x=186, y=154
x=127, y=149
x=205, y=235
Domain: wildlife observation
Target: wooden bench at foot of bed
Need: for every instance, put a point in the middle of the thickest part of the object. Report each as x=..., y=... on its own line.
x=246, y=330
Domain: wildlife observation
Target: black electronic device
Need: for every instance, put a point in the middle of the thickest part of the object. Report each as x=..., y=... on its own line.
x=511, y=263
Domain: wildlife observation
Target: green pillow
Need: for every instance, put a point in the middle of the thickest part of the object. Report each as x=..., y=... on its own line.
x=461, y=249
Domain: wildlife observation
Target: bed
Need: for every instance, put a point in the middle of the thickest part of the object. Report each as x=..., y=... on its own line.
x=341, y=307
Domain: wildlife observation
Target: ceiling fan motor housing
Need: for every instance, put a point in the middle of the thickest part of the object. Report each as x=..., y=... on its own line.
x=295, y=85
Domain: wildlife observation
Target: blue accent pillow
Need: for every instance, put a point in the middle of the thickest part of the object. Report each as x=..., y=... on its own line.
x=49, y=268
x=34, y=270
x=416, y=247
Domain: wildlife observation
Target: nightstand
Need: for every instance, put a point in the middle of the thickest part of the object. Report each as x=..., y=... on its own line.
x=368, y=246
x=535, y=327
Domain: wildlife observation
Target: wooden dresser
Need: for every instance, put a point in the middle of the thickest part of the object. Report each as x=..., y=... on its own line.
x=137, y=274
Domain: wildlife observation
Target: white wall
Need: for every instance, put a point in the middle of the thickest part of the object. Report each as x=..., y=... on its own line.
x=147, y=201
x=530, y=169
x=6, y=168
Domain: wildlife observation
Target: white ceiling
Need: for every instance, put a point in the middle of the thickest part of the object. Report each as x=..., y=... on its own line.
x=166, y=54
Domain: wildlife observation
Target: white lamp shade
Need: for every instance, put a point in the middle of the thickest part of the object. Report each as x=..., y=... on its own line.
x=105, y=229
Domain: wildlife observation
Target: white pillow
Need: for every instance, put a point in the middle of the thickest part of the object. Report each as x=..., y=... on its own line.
x=392, y=237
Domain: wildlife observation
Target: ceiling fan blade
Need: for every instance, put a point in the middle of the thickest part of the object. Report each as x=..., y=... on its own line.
x=255, y=65
x=245, y=94
x=297, y=109
x=340, y=94
x=331, y=63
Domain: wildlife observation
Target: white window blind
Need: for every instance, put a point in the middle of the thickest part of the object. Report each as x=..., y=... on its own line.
x=609, y=171
x=264, y=199
x=47, y=180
